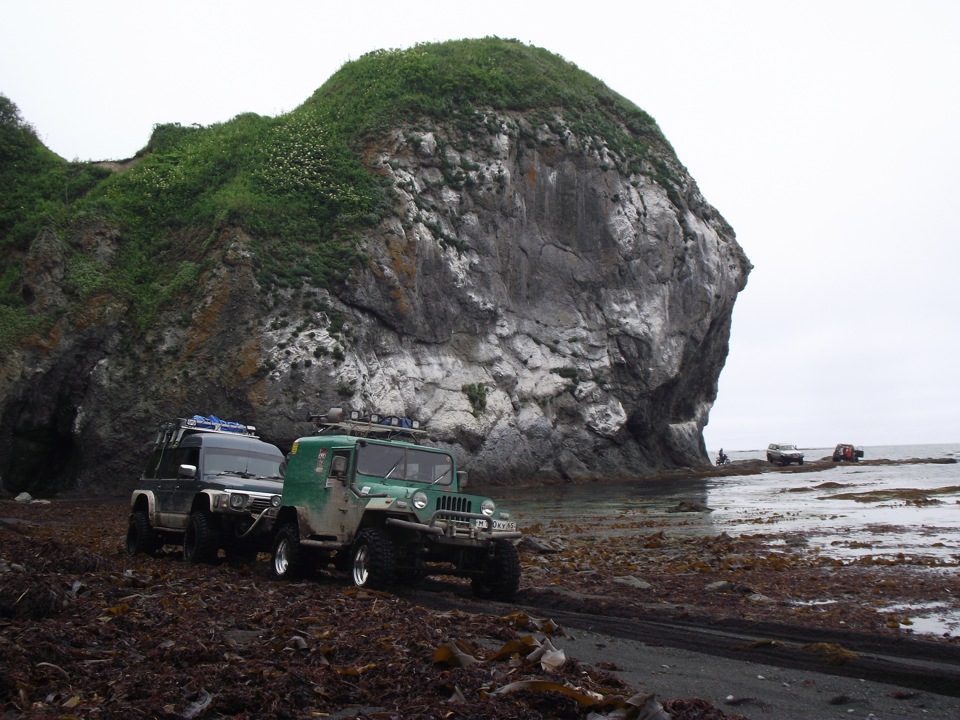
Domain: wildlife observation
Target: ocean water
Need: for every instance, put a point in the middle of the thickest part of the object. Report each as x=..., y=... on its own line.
x=903, y=513
x=870, y=452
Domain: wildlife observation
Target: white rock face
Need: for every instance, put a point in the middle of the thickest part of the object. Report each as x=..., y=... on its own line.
x=592, y=307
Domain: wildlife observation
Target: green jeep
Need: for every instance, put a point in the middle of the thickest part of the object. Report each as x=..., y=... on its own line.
x=365, y=495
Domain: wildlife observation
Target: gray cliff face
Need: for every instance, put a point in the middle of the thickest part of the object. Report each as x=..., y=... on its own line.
x=588, y=308
x=593, y=310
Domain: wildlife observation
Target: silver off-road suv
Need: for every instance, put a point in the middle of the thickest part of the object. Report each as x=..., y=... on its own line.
x=784, y=454
x=209, y=485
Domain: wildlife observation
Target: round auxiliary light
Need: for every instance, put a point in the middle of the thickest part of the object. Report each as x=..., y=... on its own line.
x=237, y=501
x=419, y=500
x=487, y=507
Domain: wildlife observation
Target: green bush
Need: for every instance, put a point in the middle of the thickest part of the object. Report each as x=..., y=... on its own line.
x=477, y=395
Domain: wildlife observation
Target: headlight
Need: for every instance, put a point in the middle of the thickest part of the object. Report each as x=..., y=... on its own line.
x=237, y=501
x=275, y=500
x=487, y=507
x=419, y=500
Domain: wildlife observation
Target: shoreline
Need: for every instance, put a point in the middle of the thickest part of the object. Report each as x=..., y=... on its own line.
x=731, y=469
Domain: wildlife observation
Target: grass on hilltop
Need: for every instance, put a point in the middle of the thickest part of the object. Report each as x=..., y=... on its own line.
x=295, y=183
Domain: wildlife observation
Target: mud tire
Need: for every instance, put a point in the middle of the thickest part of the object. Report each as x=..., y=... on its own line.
x=201, y=542
x=500, y=579
x=141, y=537
x=373, y=559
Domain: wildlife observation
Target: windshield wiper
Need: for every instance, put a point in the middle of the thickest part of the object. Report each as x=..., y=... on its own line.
x=441, y=476
x=390, y=471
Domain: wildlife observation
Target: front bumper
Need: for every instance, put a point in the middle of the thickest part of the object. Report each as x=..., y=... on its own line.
x=454, y=525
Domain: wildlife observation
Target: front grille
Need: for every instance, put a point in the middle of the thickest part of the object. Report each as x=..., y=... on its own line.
x=455, y=503
x=258, y=505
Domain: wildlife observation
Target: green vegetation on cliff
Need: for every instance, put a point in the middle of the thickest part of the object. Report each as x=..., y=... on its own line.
x=297, y=184
x=37, y=189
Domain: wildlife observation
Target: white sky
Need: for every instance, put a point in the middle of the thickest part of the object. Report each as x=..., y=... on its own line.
x=827, y=132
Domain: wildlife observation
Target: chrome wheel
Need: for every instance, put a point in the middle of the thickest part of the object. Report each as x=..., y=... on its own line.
x=361, y=566
x=281, y=558
x=372, y=565
x=287, y=559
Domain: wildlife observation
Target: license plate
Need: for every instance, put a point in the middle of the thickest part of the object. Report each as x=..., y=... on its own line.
x=497, y=524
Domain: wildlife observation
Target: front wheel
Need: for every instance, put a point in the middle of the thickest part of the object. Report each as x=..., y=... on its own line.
x=500, y=579
x=201, y=541
x=373, y=559
x=287, y=561
x=141, y=537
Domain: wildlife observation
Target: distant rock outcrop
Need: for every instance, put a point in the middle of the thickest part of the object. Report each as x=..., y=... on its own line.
x=548, y=313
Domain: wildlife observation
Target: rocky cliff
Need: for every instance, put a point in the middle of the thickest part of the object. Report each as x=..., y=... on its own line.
x=551, y=305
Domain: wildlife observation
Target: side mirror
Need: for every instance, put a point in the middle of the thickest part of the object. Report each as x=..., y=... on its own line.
x=338, y=468
x=187, y=472
x=461, y=479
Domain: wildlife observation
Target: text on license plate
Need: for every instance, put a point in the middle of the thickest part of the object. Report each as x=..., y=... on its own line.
x=497, y=524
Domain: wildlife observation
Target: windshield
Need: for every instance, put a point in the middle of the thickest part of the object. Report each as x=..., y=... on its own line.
x=239, y=462
x=788, y=447
x=393, y=462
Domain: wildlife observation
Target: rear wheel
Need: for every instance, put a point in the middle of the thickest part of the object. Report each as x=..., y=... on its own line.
x=141, y=537
x=373, y=559
x=201, y=541
x=501, y=573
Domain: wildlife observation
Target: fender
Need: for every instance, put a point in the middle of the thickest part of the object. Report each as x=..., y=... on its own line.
x=141, y=496
x=204, y=496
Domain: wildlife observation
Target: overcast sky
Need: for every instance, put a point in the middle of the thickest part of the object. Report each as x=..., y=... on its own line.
x=826, y=132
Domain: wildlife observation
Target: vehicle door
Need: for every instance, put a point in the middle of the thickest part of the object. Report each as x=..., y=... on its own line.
x=333, y=508
x=175, y=488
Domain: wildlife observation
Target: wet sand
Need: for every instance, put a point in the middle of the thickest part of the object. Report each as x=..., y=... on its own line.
x=870, y=548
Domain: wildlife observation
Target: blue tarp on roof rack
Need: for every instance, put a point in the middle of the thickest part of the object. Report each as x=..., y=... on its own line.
x=212, y=422
x=396, y=421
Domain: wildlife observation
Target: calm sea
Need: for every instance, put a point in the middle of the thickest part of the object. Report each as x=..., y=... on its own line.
x=870, y=452
x=905, y=511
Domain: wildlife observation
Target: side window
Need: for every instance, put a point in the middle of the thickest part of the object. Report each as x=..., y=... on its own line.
x=153, y=464
x=344, y=454
x=173, y=459
x=191, y=456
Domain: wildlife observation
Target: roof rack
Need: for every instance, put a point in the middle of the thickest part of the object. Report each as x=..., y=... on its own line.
x=386, y=427
x=172, y=432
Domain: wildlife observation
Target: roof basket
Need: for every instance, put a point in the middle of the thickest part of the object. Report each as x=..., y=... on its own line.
x=173, y=431
x=335, y=422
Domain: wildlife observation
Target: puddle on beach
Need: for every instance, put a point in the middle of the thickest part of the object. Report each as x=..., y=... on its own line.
x=927, y=618
x=888, y=514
